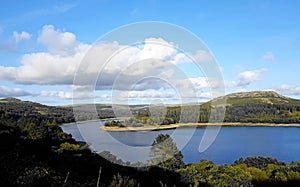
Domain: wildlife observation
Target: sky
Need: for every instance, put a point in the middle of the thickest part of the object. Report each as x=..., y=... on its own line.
x=43, y=45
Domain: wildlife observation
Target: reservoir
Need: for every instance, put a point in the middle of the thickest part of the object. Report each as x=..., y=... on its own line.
x=231, y=143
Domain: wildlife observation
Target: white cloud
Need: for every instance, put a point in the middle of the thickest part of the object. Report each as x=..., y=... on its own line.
x=59, y=94
x=268, y=56
x=156, y=48
x=12, y=92
x=43, y=68
x=73, y=95
x=288, y=90
x=199, y=57
x=148, y=94
x=57, y=66
x=154, y=57
x=192, y=83
x=21, y=36
x=245, y=78
x=58, y=42
x=202, y=56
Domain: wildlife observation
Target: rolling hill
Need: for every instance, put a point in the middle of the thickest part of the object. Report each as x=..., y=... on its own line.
x=260, y=106
x=255, y=107
x=257, y=97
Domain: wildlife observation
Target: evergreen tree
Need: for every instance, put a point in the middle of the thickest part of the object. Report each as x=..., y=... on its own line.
x=165, y=153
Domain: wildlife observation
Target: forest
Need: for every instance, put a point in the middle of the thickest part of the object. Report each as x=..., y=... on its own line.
x=243, y=113
x=248, y=107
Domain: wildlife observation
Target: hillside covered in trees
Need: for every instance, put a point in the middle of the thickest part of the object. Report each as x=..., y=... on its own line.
x=34, y=151
x=253, y=107
x=244, y=107
x=13, y=110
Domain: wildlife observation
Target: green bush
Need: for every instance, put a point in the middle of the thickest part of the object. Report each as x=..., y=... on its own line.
x=68, y=146
x=120, y=181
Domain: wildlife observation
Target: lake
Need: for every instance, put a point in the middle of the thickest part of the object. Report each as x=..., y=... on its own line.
x=231, y=143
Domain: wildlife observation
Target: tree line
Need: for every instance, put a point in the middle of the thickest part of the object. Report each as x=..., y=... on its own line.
x=248, y=113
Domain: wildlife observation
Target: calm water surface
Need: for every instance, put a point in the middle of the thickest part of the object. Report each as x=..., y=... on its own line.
x=231, y=143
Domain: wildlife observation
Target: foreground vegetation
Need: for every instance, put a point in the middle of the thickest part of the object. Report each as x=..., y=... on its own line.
x=38, y=153
x=42, y=155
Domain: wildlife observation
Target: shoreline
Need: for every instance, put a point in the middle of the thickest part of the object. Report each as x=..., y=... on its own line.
x=197, y=125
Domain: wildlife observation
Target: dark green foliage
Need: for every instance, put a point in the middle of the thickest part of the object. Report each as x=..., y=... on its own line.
x=120, y=181
x=230, y=176
x=140, y=121
x=14, y=111
x=45, y=161
x=114, y=123
x=259, y=162
x=165, y=154
x=205, y=173
x=33, y=176
x=263, y=113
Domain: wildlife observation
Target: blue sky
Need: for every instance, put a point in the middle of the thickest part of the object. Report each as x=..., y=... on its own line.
x=256, y=43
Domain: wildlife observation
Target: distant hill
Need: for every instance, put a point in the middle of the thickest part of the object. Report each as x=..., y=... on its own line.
x=16, y=109
x=259, y=106
x=257, y=97
x=256, y=107
x=13, y=111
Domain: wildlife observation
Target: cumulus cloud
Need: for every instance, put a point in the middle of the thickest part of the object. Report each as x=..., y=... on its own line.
x=245, y=78
x=59, y=94
x=163, y=95
x=153, y=94
x=58, y=42
x=268, y=56
x=73, y=95
x=56, y=66
x=202, y=56
x=288, y=90
x=43, y=68
x=21, y=36
x=129, y=68
x=13, y=92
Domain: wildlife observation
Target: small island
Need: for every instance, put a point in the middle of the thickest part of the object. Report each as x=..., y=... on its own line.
x=143, y=123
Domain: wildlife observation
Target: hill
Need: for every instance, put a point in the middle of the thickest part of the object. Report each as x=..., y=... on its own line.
x=257, y=97
x=254, y=107
x=243, y=107
x=260, y=106
x=12, y=110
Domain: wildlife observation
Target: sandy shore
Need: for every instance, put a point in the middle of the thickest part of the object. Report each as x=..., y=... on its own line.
x=187, y=125
x=144, y=128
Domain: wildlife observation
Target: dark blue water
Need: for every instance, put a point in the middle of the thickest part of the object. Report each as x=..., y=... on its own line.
x=231, y=143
